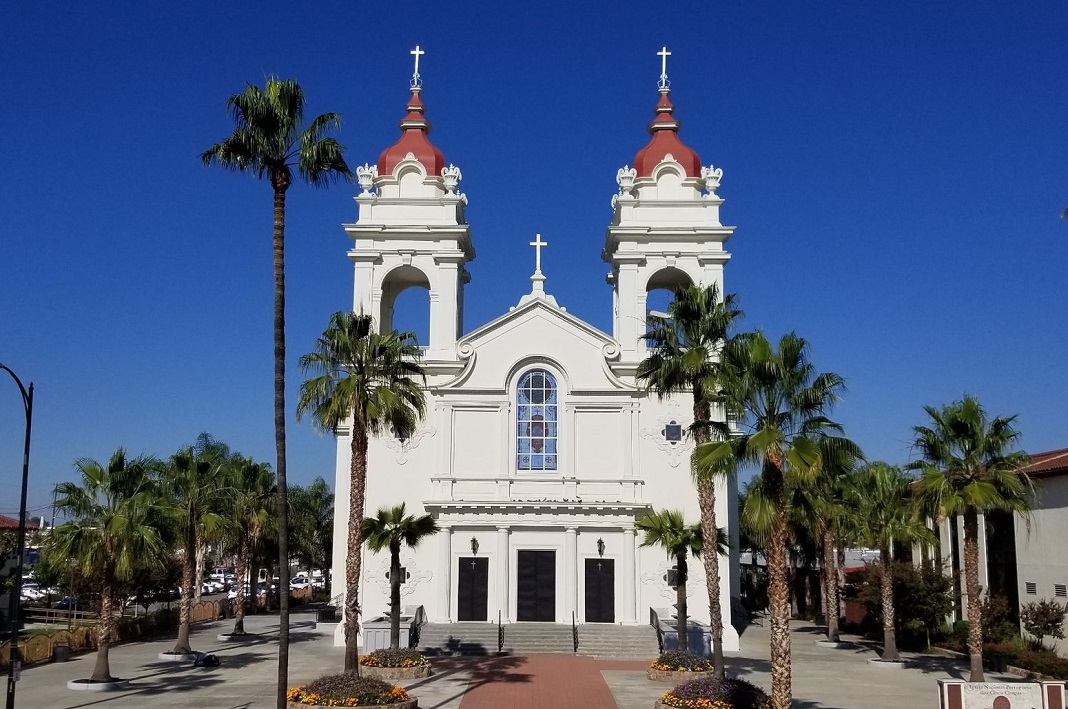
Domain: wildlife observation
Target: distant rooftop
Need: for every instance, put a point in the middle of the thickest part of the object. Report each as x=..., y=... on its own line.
x=1048, y=464
x=12, y=523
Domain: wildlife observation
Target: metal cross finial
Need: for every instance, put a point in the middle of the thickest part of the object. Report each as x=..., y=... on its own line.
x=537, y=244
x=417, y=52
x=663, y=54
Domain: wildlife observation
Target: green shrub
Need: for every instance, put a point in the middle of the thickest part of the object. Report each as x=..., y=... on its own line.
x=342, y=688
x=999, y=620
x=1044, y=618
x=923, y=597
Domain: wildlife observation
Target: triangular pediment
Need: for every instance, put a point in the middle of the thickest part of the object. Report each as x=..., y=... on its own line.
x=537, y=331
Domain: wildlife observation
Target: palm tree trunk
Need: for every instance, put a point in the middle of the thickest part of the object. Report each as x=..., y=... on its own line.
x=682, y=611
x=394, y=594
x=281, y=184
x=839, y=576
x=706, y=500
x=830, y=580
x=202, y=556
x=887, y=589
x=778, y=588
x=971, y=582
x=239, y=601
x=104, y=629
x=185, y=603
x=354, y=557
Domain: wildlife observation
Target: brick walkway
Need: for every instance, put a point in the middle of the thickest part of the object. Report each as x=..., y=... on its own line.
x=539, y=681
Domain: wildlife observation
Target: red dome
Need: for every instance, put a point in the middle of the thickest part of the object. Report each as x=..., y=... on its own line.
x=414, y=130
x=665, y=141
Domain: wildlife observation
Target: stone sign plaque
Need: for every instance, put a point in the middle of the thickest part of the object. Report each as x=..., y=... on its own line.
x=1002, y=695
x=955, y=694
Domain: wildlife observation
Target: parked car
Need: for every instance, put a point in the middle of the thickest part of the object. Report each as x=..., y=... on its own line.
x=32, y=594
x=68, y=603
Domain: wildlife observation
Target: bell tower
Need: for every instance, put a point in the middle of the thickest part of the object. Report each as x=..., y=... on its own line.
x=412, y=232
x=665, y=230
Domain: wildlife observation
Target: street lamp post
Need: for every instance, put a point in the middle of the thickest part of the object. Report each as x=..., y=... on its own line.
x=14, y=665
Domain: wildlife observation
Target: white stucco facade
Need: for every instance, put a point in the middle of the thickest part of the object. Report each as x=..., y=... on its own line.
x=568, y=480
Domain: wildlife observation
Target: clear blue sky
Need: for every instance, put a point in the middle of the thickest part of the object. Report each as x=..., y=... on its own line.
x=896, y=171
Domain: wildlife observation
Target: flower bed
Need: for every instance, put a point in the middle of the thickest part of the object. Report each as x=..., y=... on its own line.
x=679, y=665
x=348, y=690
x=710, y=693
x=395, y=664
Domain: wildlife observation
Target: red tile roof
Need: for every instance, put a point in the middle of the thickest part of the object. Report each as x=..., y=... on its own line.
x=12, y=523
x=1048, y=464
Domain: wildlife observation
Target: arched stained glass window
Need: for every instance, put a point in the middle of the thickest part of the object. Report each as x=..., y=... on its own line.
x=536, y=421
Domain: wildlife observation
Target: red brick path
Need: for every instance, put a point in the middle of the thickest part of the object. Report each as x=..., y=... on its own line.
x=540, y=682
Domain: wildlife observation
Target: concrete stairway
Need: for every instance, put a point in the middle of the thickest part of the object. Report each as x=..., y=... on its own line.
x=625, y=642
x=616, y=641
x=539, y=639
x=458, y=639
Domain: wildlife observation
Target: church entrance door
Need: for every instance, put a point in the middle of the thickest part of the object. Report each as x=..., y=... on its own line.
x=536, y=586
x=472, y=588
x=600, y=591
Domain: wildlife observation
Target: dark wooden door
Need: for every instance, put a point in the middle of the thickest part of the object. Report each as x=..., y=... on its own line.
x=600, y=591
x=472, y=588
x=536, y=586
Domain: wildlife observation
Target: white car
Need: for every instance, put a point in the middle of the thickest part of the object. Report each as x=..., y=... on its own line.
x=32, y=593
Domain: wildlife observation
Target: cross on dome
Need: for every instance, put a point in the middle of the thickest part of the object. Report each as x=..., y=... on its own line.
x=416, y=81
x=663, y=54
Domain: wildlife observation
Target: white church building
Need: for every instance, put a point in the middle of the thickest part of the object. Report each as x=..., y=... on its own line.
x=539, y=449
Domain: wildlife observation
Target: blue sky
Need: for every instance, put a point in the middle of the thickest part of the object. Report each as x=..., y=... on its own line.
x=896, y=172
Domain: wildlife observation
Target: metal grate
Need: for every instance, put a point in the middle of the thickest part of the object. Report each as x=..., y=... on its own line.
x=1060, y=590
x=1031, y=587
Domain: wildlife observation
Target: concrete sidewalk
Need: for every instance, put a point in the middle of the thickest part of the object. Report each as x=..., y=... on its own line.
x=822, y=678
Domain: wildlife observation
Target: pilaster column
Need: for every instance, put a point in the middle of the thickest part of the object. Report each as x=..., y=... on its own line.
x=445, y=574
x=629, y=580
x=570, y=572
x=503, y=556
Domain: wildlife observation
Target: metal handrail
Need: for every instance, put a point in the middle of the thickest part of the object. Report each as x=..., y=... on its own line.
x=654, y=620
x=500, y=634
x=574, y=632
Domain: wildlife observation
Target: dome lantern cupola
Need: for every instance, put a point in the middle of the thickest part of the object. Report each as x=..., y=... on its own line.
x=665, y=131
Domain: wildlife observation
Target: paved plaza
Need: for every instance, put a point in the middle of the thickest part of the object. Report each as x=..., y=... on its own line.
x=822, y=678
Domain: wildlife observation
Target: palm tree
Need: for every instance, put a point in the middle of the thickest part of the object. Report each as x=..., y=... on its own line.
x=193, y=480
x=372, y=381
x=668, y=530
x=391, y=529
x=685, y=352
x=886, y=515
x=251, y=491
x=967, y=467
x=829, y=518
x=780, y=403
x=114, y=524
x=268, y=140
x=312, y=515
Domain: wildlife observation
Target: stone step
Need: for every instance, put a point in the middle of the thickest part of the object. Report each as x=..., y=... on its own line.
x=616, y=641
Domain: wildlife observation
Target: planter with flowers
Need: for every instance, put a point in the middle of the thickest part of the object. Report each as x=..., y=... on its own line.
x=348, y=690
x=711, y=693
x=679, y=667
x=394, y=664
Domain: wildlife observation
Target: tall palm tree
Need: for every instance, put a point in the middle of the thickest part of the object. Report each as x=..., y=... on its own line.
x=268, y=140
x=685, y=358
x=667, y=529
x=114, y=524
x=391, y=529
x=193, y=480
x=251, y=494
x=372, y=381
x=886, y=514
x=829, y=518
x=968, y=466
x=780, y=402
